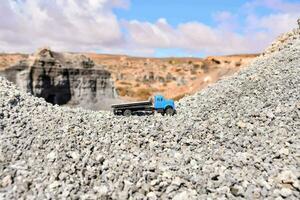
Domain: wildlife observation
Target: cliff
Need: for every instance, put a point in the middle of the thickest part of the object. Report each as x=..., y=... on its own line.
x=64, y=79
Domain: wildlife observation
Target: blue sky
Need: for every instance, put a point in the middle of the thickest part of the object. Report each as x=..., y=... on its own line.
x=158, y=28
x=179, y=11
x=204, y=11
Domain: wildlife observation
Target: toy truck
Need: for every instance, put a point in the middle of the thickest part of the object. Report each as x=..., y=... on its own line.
x=158, y=104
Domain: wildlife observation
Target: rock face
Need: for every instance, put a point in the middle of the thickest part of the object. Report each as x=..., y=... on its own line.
x=64, y=79
x=238, y=139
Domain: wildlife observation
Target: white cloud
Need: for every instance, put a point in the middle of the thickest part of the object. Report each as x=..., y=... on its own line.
x=277, y=5
x=158, y=35
x=274, y=24
x=91, y=25
x=198, y=37
x=62, y=24
x=227, y=37
x=223, y=16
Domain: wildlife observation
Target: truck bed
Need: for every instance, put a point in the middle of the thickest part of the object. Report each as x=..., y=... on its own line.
x=133, y=104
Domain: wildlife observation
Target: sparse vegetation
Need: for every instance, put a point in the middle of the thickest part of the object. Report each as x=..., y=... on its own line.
x=144, y=93
x=124, y=83
x=123, y=91
x=205, y=67
x=238, y=64
x=216, y=61
x=164, y=67
x=197, y=66
x=172, y=62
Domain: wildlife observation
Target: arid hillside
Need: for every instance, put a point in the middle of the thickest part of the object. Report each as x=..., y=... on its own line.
x=7, y=60
x=138, y=78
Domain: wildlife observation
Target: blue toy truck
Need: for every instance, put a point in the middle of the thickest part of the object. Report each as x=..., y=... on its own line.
x=158, y=104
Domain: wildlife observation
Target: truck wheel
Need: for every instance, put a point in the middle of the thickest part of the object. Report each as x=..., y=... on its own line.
x=127, y=113
x=170, y=111
x=115, y=112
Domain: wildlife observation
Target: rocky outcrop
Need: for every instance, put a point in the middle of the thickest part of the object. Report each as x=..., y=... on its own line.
x=64, y=78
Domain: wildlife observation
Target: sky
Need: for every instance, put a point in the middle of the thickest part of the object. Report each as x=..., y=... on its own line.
x=158, y=28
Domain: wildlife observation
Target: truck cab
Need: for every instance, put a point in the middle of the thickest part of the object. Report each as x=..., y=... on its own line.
x=163, y=105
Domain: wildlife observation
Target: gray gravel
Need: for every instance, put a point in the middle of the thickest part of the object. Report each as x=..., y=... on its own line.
x=236, y=139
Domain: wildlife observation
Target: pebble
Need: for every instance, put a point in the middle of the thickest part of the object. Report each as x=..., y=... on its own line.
x=6, y=181
x=285, y=192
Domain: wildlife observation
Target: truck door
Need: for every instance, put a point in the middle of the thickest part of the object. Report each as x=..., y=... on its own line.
x=158, y=103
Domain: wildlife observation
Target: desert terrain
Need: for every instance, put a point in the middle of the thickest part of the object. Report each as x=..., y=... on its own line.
x=6, y=60
x=137, y=78
x=236, y=139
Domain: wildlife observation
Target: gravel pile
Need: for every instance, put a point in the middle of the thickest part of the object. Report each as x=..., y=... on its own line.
x=284, y=41
x=237, y=139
